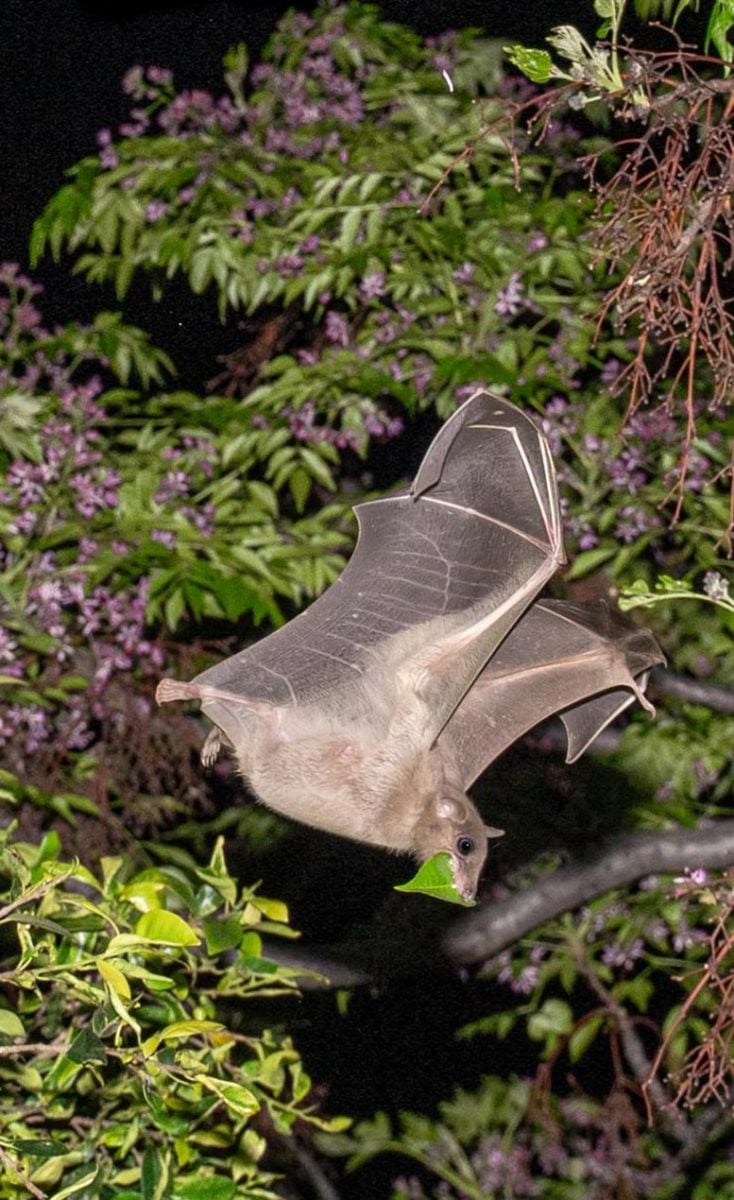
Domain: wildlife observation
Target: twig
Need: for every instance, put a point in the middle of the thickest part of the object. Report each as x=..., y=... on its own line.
x=321, y=1184
x=495, y=925
x=43, y=1049
x=13, y=1166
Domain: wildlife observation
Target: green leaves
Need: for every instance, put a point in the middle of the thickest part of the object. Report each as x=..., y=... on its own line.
x=536, y=64
x=138, y=1069
x=165, y=929
x=435, y=877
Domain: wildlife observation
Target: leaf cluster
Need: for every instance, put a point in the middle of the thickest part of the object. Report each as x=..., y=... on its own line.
x=127, y=1070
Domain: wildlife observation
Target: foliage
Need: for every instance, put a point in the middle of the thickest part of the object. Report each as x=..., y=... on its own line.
x=126, y=1071
x=120, y=511
x=663, y=220
x=582, y=990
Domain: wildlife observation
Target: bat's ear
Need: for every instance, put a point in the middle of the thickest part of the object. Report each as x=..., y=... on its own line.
x=491, y=832
x=451, y=810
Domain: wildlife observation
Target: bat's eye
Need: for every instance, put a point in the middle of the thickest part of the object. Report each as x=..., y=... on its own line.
x=465, y=845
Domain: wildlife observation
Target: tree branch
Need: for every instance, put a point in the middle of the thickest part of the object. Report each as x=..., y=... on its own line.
x=496, y=925
x=681, y=687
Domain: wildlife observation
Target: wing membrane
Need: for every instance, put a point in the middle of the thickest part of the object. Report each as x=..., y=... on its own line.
x=438, y=578
x=586, y=663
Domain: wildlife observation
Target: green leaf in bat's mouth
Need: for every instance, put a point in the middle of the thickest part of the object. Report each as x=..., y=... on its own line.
x=435, y=877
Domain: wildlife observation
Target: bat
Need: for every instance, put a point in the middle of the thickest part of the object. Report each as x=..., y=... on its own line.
x=371, y=713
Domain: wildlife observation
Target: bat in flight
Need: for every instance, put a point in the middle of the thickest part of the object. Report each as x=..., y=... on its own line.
x=372, y=712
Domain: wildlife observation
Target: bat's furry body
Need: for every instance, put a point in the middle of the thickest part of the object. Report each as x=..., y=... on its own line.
x=371, y=713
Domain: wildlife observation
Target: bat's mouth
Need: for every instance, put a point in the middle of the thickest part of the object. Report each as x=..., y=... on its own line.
x=466, y=890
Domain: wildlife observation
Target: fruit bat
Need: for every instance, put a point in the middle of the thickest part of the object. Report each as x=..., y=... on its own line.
x=371, y=713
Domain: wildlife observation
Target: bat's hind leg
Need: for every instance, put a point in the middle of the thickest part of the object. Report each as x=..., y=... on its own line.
x=212, y=745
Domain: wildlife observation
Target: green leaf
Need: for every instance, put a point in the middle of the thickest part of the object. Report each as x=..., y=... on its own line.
x=180, y=1031
x=588, y=561
x=78, y=1185
x=204, y=1187
x=87, y=1047
x=166, y=929
x=39, y=1147
x=581, y=1038
x=238, y=1099
x=10, y=1024
x=553, y=1017
x=221, y=933
x=115, y=978
x=435, y=877
x=349, y=229
x=536, y=64
x=154, y=1175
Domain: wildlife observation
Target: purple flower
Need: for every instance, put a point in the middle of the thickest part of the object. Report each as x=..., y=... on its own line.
x=372, y=285
x=633, y=522
x=624, y=956
x=510, y=298
x=337, y=329
x=155, y=210
x=159, y=75
x=164, y=536
x=132, y=80
x=465, y=273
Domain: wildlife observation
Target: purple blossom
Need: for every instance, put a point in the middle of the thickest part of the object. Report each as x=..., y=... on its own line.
x=337, y=329
x=610, y=371
x=465, y=273
x=510, y=298
x=617, y=954
x=626, y=471
x=173, y=484
x=132, y=80
x=686, y=936
x=164, y=537
x=161, y=76
x=155, y=210
x=372, y=285
x=633, y=522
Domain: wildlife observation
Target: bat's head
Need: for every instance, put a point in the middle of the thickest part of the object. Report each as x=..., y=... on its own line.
x=457, y=829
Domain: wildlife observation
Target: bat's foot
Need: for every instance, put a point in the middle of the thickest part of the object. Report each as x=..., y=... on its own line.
x=174, y=689
x=639, y=690
x=211, y=748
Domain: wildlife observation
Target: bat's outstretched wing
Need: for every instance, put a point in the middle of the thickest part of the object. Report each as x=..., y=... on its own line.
x=583, y=662
x=438, y=578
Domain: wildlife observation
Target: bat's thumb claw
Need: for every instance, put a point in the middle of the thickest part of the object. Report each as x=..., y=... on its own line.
x=173, y=689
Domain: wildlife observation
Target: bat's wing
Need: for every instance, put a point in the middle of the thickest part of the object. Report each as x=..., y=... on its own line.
x=581, y=661
x=437, y=579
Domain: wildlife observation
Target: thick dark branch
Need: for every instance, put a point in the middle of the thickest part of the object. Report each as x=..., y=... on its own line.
x=682, y=687
x=494, y=926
